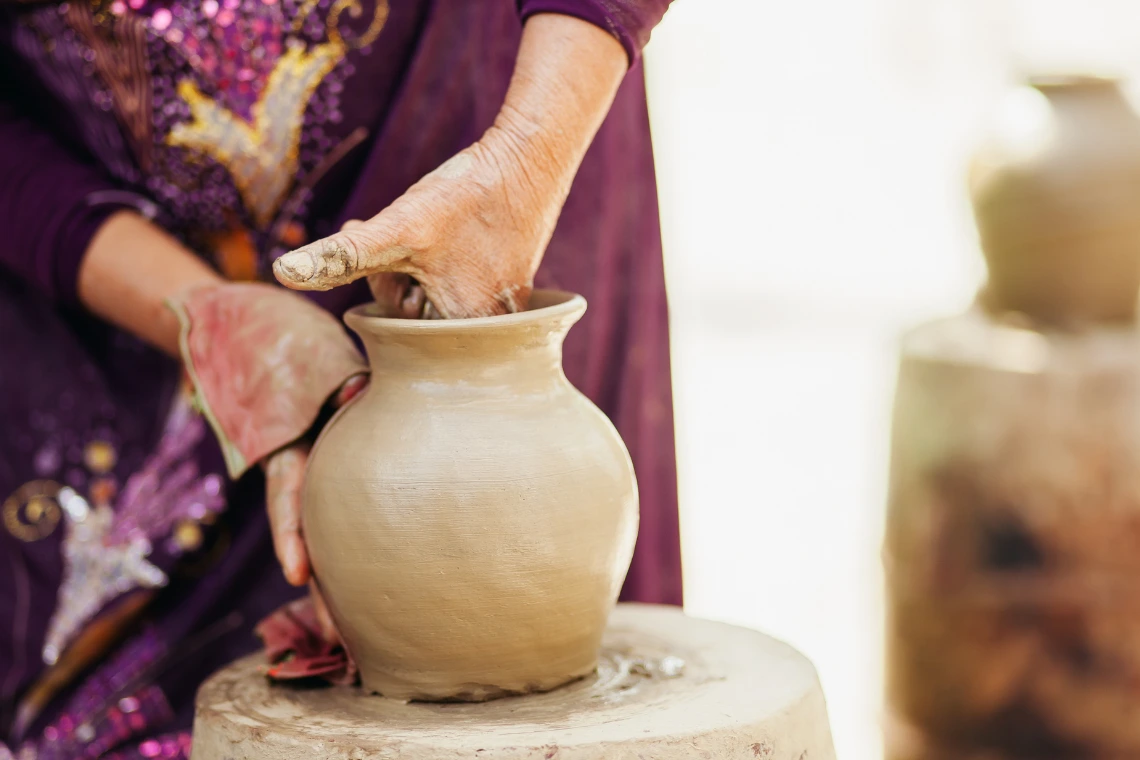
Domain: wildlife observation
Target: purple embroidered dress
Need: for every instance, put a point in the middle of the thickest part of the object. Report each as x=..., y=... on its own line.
x=132, y=567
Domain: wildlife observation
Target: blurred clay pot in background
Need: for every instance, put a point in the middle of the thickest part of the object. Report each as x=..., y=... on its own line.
x=1056, y=194
x=471, y=516
x=1012, y=573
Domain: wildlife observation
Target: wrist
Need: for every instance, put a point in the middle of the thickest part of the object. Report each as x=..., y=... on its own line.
x=130, y=268
x=565, y=79
x=537, y=156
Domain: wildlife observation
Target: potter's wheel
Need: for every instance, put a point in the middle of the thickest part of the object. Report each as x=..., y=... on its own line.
x=668, y=686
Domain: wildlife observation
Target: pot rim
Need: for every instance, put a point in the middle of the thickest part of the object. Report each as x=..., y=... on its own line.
x=557, y=303
x=1076, y=80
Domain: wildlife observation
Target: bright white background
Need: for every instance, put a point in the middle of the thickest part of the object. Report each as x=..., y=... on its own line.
x=811, y=159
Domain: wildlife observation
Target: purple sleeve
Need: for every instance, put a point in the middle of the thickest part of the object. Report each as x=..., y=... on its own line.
x=630, y=21
x=51, y=204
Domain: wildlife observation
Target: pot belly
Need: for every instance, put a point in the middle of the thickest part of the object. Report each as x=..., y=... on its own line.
x=470, y=550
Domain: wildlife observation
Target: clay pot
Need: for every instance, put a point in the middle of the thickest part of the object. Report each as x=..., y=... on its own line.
x=1056, y=194
x=1013, y=601
x=471, y=516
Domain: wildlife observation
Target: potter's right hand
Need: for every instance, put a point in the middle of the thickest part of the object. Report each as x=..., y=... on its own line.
x=464, y=241
x=284, y=475
x=471, y=233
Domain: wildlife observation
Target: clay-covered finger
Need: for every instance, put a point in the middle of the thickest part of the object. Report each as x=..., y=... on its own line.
x=454, y=298
x=342, y=258
x=283, y=478
x=398, y=296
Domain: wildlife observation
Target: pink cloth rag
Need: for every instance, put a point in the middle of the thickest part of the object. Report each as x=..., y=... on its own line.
x=296, y=649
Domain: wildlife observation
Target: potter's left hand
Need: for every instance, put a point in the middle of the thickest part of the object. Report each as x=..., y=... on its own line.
x=472, y=232
x=265, y=364
x=284, y=476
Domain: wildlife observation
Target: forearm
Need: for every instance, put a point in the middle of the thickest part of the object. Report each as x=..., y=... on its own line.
x=129, y=270
x=565, y=79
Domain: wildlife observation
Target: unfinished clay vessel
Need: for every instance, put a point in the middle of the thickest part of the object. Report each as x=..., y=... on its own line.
x=471, y=516
x=1061, y=169
x=1012, y=575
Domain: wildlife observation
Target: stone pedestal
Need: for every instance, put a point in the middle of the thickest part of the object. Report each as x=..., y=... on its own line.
x=1012, y=570
x=668, y=687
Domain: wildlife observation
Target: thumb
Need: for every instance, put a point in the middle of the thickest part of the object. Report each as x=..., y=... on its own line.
x=356, y=251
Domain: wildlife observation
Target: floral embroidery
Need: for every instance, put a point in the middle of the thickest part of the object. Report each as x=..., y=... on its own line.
x=224, y=112
x=106, y=550
x=95, y=571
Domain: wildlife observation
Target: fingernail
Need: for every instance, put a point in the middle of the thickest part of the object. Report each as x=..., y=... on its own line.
x=354, y=386
x=297, y=266
x=293, y=565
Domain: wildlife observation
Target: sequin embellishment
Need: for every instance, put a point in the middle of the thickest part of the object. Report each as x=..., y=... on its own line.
x=96, y=572
x=262, y=156
x=262, y=153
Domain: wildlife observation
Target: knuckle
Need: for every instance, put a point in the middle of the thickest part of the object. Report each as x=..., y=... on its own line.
x=339, y=256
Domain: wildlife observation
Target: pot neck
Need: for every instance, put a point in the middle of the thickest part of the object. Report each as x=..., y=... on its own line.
x=511, y=349
x=1084, y=98
x=1061, y=85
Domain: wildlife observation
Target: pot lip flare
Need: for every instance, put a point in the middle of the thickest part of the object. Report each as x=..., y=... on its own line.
x=546, y=305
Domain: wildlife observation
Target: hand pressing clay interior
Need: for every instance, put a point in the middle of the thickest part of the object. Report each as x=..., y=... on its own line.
x=471, y=516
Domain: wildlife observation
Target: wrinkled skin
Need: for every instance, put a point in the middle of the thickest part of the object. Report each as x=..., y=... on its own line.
x=464, y=241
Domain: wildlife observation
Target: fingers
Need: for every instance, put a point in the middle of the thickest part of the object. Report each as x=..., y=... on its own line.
x=358, y=250
x=459, y=299
x=414, y=301
x=284, y=475
x=398, y=296
x=349, y=390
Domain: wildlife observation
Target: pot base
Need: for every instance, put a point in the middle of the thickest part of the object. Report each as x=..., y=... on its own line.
x=379, y=685
x=667, y=686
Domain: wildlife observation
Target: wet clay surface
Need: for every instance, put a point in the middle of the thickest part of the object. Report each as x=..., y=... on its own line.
x=470, y=516
x=667, y=686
